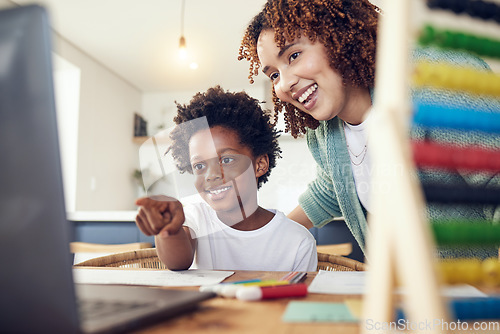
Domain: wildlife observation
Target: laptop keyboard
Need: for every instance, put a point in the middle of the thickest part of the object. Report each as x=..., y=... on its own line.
x=92, y=309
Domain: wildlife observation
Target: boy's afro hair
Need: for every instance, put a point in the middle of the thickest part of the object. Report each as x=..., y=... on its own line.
x=236, y=111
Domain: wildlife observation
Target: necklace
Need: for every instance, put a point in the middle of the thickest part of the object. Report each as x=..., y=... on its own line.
x=352, y=154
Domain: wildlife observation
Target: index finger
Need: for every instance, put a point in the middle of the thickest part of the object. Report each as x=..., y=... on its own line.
x=154, y=201
x=176, y=218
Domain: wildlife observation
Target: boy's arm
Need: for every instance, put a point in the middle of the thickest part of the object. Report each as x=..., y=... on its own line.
x=163, y=217
x=176, y=251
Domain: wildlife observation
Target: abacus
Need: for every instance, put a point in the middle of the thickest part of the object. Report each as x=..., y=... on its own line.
x=403, y=240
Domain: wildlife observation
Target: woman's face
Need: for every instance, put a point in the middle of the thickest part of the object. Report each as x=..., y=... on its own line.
x=301, y=75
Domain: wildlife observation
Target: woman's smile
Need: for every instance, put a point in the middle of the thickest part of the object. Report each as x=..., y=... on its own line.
x=308, y=97
x=302, y=75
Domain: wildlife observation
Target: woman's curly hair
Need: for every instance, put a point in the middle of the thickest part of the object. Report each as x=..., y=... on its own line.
x=235, y=111
x=347, y=29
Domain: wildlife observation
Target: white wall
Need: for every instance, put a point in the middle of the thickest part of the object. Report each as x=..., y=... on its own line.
x=106, y=154
x=67, y=87
x=290, y=177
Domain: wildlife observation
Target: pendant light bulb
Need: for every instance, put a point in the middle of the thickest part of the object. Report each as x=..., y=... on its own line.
x=182, y=48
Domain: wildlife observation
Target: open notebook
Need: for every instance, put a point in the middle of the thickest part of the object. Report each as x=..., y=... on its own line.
x=37, y=293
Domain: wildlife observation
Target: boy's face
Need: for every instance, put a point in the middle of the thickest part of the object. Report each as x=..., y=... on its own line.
x=224, y=170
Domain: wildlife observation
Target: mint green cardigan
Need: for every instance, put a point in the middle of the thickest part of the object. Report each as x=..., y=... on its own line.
x=333, y=192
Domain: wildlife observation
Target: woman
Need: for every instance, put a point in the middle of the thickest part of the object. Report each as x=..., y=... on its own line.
x=320, y=58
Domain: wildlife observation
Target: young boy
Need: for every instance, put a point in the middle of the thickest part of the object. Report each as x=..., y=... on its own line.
x=230, y=159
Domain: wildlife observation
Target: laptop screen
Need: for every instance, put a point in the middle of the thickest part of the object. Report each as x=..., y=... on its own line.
x=35, y=281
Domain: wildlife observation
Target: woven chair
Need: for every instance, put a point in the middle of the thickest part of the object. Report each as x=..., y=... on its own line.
x=140, y=258
x=332, y=262
x=335, y=249
x=147, y=258
x=86, y=247
x=84, y=251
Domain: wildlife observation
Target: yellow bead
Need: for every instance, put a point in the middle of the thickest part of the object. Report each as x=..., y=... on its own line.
x=445, y=270
x=441, y=76
x=480, y=83
x=491, y=272
x=448, y=77
x=458, y=80
x=469, y=82
x=494, y=88
x=419, y=75
x=470, y=271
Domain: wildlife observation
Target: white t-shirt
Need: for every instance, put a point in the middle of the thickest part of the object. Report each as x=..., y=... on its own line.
x=280, y=245
x=357, y=141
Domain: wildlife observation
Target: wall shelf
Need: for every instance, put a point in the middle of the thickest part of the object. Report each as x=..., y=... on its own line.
x=139, y=139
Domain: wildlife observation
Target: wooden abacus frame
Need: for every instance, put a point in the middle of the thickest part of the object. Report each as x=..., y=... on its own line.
x=400, y=247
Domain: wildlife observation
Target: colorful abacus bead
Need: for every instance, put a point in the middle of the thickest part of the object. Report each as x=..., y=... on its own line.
x=449, y=39
x=490, y=272
x=470, y=271
x=465, y=233
x=475, y=308
x=460, y=118
x=430, y=154
x=457, y=78
x=461, y=271
x=474, y=8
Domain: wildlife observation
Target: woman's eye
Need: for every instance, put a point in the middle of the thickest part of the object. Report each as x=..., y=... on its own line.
x=274, y=76
x=293, y=56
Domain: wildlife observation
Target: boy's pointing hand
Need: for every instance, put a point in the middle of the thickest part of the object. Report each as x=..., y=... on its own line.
x=159, y=215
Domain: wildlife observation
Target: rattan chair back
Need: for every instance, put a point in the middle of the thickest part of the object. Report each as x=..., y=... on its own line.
x=148, y=258
x=332, y=262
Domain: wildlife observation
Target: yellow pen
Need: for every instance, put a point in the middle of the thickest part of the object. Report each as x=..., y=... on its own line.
x=229, y=290
x=266, y=283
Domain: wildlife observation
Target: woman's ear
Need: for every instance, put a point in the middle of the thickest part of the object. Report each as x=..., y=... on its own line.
x=261, y=165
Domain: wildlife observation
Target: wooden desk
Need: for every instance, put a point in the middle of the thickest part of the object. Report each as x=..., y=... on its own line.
x=228, y=315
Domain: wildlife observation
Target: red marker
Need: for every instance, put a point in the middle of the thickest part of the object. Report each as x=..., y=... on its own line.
x=269, y=292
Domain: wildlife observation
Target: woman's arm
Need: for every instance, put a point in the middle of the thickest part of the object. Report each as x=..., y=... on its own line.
x=300, y=217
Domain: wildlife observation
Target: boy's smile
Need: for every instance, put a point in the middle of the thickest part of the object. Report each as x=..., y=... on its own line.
x=218, y=193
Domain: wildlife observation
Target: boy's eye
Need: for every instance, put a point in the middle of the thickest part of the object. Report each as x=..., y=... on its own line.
x=198, y=167
x=226, y=160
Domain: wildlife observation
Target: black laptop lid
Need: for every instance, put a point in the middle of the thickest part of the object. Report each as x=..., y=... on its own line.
x=37, y=291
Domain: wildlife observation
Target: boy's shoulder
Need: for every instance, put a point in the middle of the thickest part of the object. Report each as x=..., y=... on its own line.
x=290, y=225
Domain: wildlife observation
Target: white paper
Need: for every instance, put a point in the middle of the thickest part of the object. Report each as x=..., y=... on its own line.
x=339, y=282
x=150, y=277
x=354, y=283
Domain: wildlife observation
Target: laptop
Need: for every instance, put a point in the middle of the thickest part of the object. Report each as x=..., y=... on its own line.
x=37, y=292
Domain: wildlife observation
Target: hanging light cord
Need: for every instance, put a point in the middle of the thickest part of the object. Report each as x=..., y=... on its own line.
x=182, y=16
